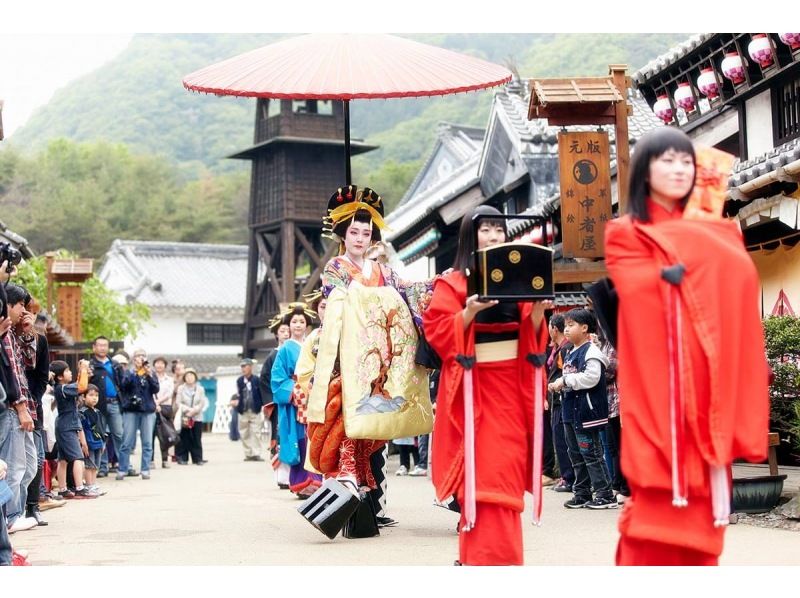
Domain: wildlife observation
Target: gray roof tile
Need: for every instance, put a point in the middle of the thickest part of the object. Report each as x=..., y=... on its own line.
x=161, y=274
x=670, y=57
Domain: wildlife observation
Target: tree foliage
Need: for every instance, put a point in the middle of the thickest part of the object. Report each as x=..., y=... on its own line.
x=783, y=352
x=102, y=312
x=82, y=196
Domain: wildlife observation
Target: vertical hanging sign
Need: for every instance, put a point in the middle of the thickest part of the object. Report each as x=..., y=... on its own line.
x=585, y=179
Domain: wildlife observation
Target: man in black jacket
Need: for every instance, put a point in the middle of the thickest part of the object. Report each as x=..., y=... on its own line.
x=107, y=377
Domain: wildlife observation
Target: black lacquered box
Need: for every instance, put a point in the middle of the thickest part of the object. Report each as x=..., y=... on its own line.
x=513, y=272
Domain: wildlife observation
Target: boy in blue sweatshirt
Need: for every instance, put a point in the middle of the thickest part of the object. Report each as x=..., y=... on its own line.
x=584, y=406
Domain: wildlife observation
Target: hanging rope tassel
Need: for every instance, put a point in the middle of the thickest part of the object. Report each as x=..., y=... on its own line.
x=674, y=275
x=720, y=495
x=470, y=508
x=538, y=361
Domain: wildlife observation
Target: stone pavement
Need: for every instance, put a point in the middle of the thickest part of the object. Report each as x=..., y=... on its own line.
x=229, y=512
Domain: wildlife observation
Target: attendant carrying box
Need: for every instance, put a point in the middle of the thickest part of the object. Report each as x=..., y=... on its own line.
x=516, y=271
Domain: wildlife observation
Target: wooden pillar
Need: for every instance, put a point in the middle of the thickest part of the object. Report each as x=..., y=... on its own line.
x=620, y=80
x=288, y=264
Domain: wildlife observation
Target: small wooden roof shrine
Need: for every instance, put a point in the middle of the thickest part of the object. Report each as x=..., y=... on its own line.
x=589, y=101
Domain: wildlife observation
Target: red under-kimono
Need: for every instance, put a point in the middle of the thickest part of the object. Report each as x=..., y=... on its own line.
x=503, y=415
x=721, y=364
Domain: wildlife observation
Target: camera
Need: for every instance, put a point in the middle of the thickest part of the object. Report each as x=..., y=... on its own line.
x=10, y=255
x=135, y=403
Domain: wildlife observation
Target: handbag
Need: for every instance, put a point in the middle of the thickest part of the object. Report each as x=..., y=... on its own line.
x=330, y=508
x=167, y=435
x=426, y=356
x=363, y=523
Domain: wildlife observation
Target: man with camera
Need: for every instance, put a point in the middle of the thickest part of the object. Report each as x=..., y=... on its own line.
x=139, y=387
x=107, y=377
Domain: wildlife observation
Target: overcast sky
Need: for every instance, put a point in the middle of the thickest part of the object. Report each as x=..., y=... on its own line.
x=37, y=57
x=34, y=66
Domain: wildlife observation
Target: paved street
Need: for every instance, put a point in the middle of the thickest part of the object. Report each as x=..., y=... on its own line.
x=229, y=512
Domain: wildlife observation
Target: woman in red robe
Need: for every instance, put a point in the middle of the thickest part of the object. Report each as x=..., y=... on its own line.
x=692, y=373
x=488, y=351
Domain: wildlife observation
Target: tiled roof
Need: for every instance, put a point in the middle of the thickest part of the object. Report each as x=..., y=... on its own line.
x=776, y=158
x=463, y=142
x=180, y=275
x=670, y=57
x=534, y=137
x=531, y=138
x=461, y=179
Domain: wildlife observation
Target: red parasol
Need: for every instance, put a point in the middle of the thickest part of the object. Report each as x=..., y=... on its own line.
x=329, y=66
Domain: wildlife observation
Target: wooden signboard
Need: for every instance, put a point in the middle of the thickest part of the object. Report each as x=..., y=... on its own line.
x=585, y=179
x=69, y=309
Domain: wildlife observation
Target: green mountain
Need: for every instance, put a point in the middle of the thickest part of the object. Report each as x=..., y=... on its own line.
x=137, y=98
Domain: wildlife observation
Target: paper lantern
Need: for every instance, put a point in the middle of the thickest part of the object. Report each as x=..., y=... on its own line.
x=663, y=109
x=760, y=50
x=684, y=97
x=707, y=83
x=733, y=67
x=791, y=39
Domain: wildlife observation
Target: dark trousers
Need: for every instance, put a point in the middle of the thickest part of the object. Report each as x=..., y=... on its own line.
x=406, y=451
x=560, y=442
x=191, y=443
x=614, y=438
x=423, y=450
x=586, y=454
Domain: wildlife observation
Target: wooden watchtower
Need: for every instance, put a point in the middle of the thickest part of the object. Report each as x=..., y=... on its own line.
x=297, y=163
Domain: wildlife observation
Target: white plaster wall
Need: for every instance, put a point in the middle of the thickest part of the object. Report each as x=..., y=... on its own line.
x=717, y=130
x=167, y=334
x=758, y=120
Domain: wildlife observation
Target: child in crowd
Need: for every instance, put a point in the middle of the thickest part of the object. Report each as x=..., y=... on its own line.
x=69, y=431
x=94, y=426
x=585, y=412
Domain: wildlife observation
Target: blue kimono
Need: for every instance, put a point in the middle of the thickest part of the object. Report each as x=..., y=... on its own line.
x=290, y=431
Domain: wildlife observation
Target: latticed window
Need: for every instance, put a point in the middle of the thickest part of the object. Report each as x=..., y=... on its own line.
x=787, y=111
x=214, y=334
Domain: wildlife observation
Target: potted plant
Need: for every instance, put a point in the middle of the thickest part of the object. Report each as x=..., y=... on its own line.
x=782, y=334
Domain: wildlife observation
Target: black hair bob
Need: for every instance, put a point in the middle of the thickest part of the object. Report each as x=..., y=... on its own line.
x=650, y=146
x=466, y=236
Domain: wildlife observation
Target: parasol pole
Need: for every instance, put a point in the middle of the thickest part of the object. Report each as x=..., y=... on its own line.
x=347, y=176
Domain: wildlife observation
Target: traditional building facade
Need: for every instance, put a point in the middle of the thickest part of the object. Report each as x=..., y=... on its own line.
x=196, y=296
x=515, y=169
x=740, y=92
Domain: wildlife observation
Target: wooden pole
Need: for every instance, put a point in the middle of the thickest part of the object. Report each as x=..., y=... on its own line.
x=288, y=264
x=620, y=80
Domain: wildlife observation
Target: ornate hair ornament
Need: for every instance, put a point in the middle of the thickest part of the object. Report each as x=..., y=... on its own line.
x=298, y=308
x=342, y=207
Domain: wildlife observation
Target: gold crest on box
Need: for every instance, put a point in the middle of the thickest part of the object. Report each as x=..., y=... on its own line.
x=513, y=272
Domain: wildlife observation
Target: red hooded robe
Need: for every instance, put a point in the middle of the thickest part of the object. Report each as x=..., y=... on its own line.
x=724, y=370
